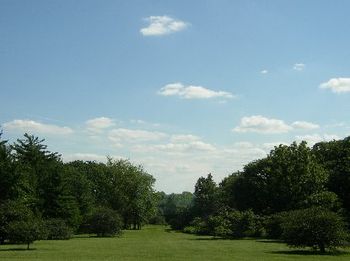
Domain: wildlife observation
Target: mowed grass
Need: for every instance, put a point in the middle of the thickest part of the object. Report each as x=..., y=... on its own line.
x=159, y=243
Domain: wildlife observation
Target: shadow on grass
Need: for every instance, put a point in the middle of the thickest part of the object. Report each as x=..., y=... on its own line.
x=269, y=241
x=17, y=249
x=210, y=238
x=310, y=252
x=169, y=230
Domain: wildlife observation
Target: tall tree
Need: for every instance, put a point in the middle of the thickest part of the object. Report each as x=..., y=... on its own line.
x=335, y=157
x=205, y=196
x=281, y=181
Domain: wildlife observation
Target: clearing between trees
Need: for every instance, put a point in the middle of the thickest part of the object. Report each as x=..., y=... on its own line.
x=160, y=243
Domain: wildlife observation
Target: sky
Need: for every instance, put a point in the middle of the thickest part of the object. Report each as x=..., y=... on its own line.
x=184, y=88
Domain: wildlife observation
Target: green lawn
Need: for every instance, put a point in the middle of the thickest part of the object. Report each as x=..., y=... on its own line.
x=157, y=243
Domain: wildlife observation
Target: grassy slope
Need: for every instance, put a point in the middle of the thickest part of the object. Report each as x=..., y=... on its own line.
x=155, y=243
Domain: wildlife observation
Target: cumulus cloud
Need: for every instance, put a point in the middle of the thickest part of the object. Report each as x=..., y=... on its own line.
x=132, y=136
x=35, y=127
x=162, y=25
x=299, y=66
x=99, y=124
x=260, y=124
x=311, y=139
x=192, y=92
x=337, y=85
x=304, y=125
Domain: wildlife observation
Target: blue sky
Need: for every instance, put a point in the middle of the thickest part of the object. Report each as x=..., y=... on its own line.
x=182, y=87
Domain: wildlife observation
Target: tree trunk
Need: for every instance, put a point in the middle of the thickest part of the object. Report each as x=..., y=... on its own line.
x=322, y=248
x=28, y=246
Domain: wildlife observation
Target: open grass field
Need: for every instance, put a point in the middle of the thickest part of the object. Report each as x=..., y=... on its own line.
x=158, y=243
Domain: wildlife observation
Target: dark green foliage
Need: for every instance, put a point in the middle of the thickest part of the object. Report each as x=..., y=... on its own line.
x=273, y=225
x=105, y=222
x=25, y=231
x=325, y=199
x=314, y=227
x=182, y=219
x=227, y=223
x=176, y=208
x=205, y=200
x=288, y=176
x=334, y=156
x=12, y=211
x=57, y=229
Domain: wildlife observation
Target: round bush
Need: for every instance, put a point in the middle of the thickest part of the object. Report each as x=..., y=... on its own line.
x=57, y=229
x=314, y=227
x=105, y=222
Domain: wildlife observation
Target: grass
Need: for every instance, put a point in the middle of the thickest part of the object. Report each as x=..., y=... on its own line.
x=158, y=243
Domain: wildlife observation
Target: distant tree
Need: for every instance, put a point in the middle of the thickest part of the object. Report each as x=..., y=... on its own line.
x=105, y=222
x=314, y=227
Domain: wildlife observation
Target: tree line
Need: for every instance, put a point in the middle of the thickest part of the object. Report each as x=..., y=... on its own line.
x=41, y=197
x=296, y=193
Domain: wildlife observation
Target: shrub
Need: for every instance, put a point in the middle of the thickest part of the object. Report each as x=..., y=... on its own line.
x=105, y=222
x=273, y=225
x=11, y=211
x=57, y=229
x=25, y=231
x=315, y=227
x=190, y=230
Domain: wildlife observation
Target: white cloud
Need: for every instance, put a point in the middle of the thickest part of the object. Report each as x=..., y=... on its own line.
x=260, y=124
x=88, y=157
x=162, y=25
x=36, y=127
x=337, y=85
x=99, y=124
x=184, y=138
x=264, y=71
x=299, y=66
x=85, y=157
x=304, y=125
x=311, y=139
x=192, y=92
x=132, y=136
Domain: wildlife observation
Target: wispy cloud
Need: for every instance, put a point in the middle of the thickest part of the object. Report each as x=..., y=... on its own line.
x=192, y=92
x=337, y=85
x=162, y=25
x=264, y=71
x=35, y=127
x=299, y=66
x=304, y=125
x=121, y=135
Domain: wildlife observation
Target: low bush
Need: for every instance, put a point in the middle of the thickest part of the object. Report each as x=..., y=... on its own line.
x=57, y=229
x=105, y=222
